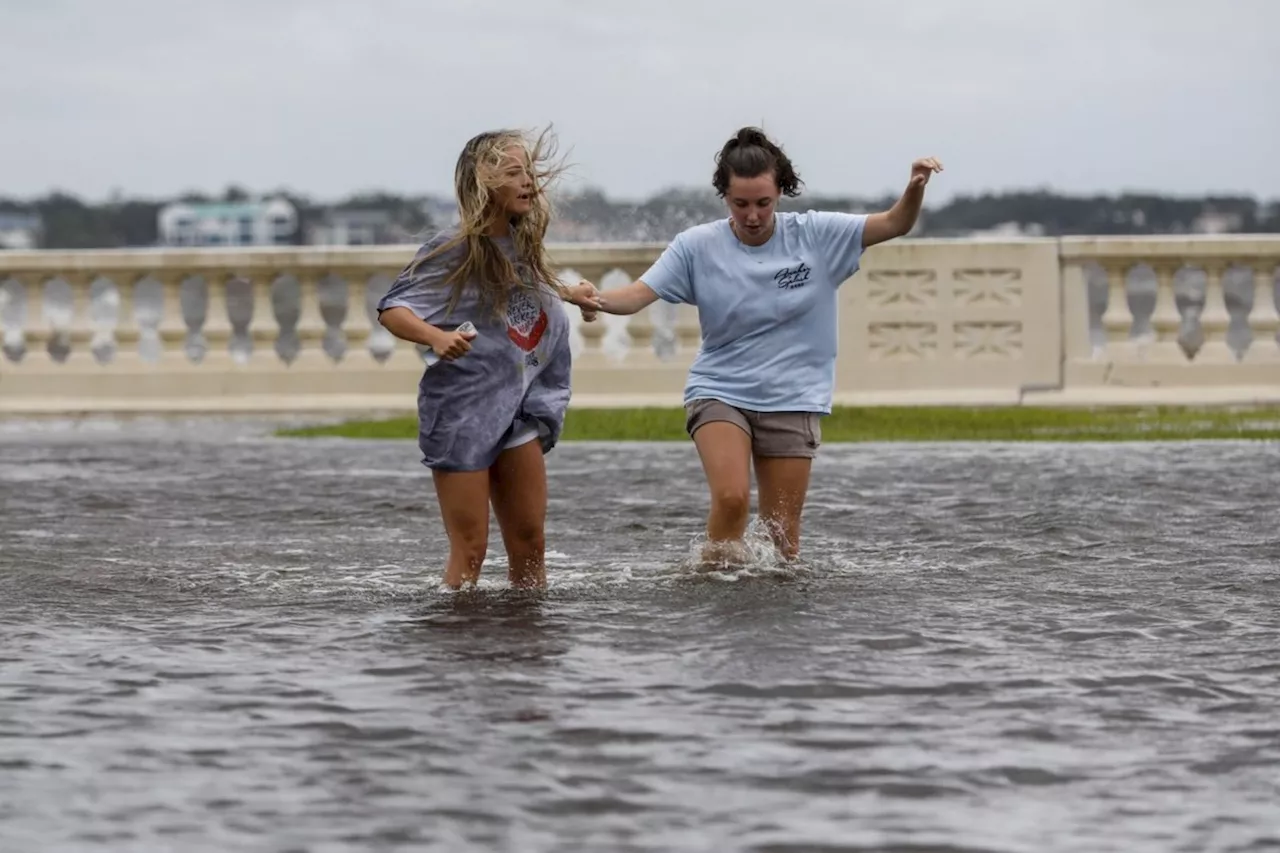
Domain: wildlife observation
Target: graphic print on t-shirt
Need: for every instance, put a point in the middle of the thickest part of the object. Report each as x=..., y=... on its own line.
x=526, y=321
x=790, y=278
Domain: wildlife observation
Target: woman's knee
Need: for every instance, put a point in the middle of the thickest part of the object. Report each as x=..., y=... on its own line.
x=527, y=537
x=464, y=509
x=730, y=501
x=469, y=539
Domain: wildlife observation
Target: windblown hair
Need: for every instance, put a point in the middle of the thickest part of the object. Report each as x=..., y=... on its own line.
x=749, y=154
x=478, y=175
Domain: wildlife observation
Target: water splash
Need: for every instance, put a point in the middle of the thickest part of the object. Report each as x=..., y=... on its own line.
x=755, y=556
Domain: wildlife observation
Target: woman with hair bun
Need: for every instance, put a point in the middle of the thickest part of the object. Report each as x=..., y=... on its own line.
x=764, y=283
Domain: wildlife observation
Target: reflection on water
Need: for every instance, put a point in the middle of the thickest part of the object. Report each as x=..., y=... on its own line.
x=213, y=640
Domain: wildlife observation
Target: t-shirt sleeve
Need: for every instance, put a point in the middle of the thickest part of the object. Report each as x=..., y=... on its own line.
x=839, y=239
x=420, y=286
x=671, y=276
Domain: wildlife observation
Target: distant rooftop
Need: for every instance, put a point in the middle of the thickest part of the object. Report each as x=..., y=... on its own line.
x=224, y=209
x=358, y=216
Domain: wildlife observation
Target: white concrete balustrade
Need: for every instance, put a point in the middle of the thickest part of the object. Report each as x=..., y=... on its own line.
x=1077, y=320
x=1171, y=319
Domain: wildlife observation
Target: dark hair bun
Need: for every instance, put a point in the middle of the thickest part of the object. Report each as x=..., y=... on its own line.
x=749, y=154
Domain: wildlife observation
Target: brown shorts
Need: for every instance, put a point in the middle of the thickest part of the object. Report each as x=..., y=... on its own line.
x=772, y=433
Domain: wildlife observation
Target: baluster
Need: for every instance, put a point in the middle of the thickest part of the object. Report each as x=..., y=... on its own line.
x=640, y=331
x=311, y=325
x=357, y=326
x=1162, y=344
x=126, y=327
x=172, y=328
x=1214, y=319
x=217, y=315
x=618, y=344
x=593, y=337
x=264, y=325
x=82, y=321
x=1117, y=319
x=593, y=334
x=1264, y=320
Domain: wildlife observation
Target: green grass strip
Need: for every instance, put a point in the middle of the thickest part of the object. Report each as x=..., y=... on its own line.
x=903, y=424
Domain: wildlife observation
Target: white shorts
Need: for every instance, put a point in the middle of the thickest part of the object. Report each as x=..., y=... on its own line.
x=522, y=434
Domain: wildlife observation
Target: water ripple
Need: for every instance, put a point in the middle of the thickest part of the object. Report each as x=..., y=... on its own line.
x=213, y=640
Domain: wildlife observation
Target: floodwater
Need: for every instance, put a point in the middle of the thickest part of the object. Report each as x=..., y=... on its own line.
x=212, y=639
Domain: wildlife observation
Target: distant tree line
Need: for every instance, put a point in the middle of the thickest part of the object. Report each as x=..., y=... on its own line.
x=1129, y=213
x=592, y=215
x=69, y=223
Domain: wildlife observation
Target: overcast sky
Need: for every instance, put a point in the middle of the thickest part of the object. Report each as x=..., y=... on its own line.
x=328, y=97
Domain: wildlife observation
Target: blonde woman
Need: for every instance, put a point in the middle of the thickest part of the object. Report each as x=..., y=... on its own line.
x=494, y=402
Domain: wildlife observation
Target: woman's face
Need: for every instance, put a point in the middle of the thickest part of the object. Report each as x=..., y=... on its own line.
x=516, y=191
x=751, y=202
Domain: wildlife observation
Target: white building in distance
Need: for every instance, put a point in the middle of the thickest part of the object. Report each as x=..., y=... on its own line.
x=269, y=222
x=20, y=230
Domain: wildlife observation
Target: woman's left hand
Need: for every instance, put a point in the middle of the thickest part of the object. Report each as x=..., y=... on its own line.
x=923, y=169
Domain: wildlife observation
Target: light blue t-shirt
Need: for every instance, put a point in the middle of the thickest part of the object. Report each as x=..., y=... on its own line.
x=768, y=313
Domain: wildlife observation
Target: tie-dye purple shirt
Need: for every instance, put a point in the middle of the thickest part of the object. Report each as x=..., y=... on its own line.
x=515, y=375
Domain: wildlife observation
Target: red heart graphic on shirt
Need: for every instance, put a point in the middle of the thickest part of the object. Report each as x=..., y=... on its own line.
x=527, y=341
x=526, y=320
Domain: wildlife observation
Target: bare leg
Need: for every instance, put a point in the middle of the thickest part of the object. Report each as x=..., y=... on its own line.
x=725, y=451
x=464, y=506
x=784, y=484
x=518, y=485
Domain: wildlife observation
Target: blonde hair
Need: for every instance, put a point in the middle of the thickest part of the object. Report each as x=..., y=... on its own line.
x=477, y=176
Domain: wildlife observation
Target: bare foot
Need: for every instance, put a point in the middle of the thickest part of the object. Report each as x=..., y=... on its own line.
x=727, y=554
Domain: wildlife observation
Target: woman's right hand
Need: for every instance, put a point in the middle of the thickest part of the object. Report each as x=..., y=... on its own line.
x=451, y=345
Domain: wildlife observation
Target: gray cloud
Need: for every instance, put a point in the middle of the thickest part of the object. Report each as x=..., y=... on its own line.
x=333, y=96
